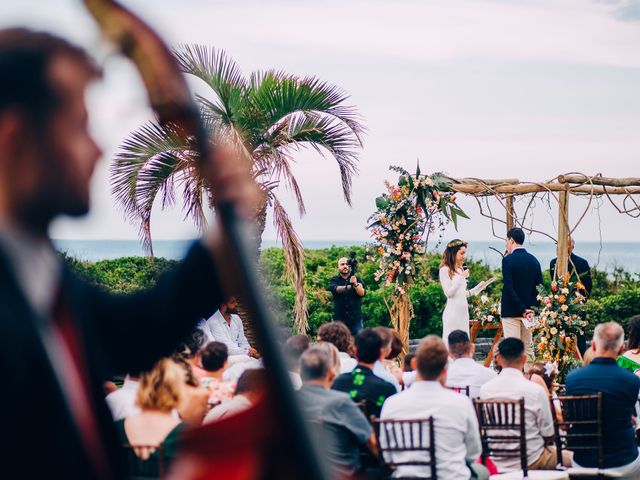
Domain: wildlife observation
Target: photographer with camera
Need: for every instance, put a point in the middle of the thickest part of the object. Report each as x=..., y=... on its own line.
x=347, y=290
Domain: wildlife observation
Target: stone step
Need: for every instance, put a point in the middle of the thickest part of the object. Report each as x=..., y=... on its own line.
x=482, y=347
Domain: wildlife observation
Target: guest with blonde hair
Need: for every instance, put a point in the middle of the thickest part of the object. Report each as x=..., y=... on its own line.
x=156, y=426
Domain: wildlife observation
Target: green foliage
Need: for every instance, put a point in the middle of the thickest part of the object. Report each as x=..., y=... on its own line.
x=613, y=298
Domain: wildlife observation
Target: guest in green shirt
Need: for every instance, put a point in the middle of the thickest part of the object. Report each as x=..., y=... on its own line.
x=631, y=358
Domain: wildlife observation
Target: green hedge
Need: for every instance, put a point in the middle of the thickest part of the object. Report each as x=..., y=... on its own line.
x=615, y=297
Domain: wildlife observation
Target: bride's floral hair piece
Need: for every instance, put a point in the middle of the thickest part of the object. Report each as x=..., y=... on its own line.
x=456, y=243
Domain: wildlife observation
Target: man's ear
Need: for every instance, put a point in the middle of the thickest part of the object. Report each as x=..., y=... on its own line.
x=413, y=363
x=332, y=374
x=355, y=351
x=473, y=349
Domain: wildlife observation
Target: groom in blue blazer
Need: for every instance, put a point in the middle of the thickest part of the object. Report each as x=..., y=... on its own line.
x=521, y=274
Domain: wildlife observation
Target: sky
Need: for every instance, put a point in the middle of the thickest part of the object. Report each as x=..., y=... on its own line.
x=525, y=89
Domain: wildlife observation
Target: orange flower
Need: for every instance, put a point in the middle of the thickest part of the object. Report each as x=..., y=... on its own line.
x=562, y=299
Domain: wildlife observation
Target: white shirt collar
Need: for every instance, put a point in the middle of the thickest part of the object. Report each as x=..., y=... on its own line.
x=464, y=360
x=511, y=372
x=427, y=385
x=36, y=266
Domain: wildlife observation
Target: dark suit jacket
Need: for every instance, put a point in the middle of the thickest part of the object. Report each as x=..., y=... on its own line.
x=620, y=395
x=521, y=274
x=582, y=268
x=118, y=334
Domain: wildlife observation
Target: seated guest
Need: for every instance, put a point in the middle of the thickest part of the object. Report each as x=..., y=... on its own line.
x=456, y=426
x=344, y=427
x=408, y=371
x=620, y=396
x=122, y=402
x=160, y=392
x=226, y=326
x=543, y=374
x=361, y=383
x=292, y=350
x=390, y=361
x=250, y=389
x=631, y=358
x=380, y=368
x=464, y=370
x=190, y=350
x=213, y=357
x=339, y=335
x=511, y=384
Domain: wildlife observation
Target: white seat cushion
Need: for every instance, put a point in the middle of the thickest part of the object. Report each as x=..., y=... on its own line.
x=533, y=475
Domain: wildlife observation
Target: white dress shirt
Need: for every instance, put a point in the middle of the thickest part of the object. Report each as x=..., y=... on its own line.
x=231, y=334
x=512, y=385
x=347, y=363
x=455, y=427
x=379, y=370
x=122, y=402
x=465, y=371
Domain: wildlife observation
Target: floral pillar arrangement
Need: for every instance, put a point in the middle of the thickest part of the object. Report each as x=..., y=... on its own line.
x=406, y=214
x=559, y=322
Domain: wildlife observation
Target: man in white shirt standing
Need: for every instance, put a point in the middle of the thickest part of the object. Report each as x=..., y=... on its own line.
x=456, y=427
x=226, y=326
x=464, y=371
x=512, y=385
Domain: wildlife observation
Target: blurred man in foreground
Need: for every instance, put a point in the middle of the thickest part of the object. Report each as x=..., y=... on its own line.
x=59, y=336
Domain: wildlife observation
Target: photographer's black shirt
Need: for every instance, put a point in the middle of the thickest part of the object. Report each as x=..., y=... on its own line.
x=347, y=306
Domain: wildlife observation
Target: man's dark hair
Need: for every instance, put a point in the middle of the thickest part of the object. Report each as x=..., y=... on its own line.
x=253, y=380
x=511, y=349
x=368, y=345
x=194, y=341
x=314, y=364
x=432, y=357
x=25, y=58
x=338, y=334
x=213, y=356
x=407, y=362
x=459, y=343
x=293, y=348
x=517, y=234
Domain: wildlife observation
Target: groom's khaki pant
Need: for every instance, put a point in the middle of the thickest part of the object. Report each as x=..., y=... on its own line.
x=513, y=327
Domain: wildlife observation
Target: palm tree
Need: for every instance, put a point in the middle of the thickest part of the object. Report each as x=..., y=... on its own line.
x=269, y=116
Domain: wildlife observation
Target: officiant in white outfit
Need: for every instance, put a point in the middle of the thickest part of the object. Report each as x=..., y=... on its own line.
x=226, y=326
x=453, y=278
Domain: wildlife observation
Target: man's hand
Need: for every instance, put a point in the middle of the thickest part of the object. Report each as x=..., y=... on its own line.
x=353, y=280
x=253, y=353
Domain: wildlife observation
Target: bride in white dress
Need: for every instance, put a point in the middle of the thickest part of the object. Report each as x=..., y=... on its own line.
x=453, y=278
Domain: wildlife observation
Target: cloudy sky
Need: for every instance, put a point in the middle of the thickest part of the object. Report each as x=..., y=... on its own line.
x=522, y=89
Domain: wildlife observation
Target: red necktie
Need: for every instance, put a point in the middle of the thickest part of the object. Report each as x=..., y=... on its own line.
x=76, y=385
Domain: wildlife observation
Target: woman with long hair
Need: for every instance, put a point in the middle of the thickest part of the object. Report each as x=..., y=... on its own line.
x=453, y=278
x=630, y=359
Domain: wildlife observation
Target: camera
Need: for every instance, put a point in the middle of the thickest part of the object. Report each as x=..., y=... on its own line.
x=352, y=262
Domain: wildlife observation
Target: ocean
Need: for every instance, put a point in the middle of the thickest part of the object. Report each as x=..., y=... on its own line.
x=608, y=256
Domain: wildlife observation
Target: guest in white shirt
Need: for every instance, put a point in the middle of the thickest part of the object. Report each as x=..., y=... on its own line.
x=379, y=368
x=457, y=436
x=251, y=387
x=340, y=336
x=511, y=384
x=292, y=350
x=464, y=370
x=226, y=326
x=122, y=402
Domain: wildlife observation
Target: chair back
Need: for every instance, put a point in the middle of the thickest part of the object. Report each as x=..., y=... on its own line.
x=580, y=424
x=464, y=389
x=502, y=430
x=402, y=442
x=153, y=467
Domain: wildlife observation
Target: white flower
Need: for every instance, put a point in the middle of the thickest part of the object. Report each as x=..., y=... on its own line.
x=565, y=291
x=484, y=299
x=550, y=368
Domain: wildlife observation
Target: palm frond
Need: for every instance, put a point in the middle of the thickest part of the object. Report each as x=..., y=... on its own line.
x=219, y=72
x=144, y=168
x=294, y=262
x=278, y=94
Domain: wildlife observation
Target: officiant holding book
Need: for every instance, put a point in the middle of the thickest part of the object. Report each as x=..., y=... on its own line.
x=521, y=275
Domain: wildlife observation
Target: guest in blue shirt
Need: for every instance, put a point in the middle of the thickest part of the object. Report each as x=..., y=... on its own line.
x=620, y=396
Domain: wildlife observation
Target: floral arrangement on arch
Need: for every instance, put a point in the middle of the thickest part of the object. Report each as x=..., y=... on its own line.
x=485, y=310
x=416, y=205
x=559, y=322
